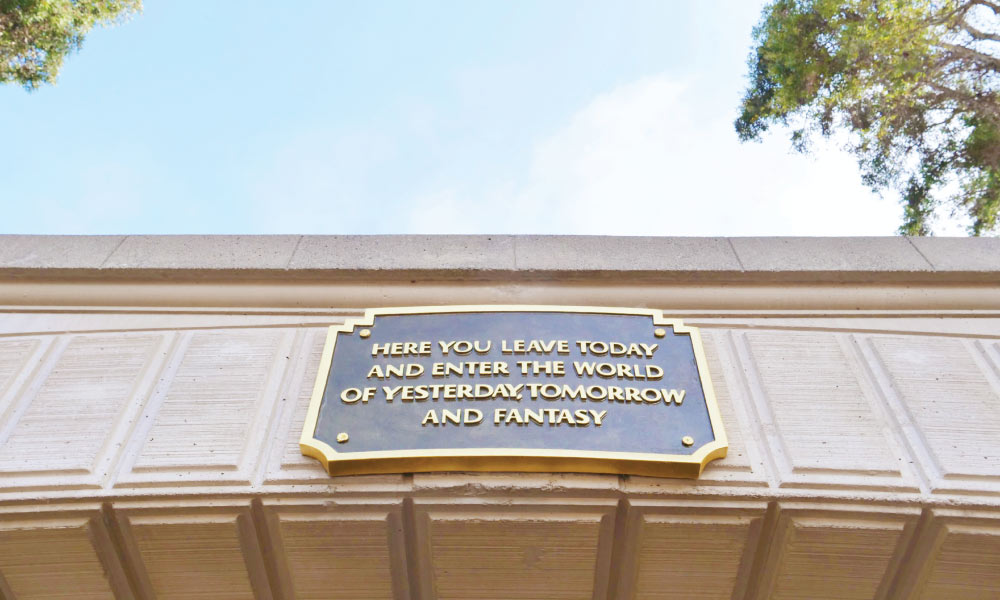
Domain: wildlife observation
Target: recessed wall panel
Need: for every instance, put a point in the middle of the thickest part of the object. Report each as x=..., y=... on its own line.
x=211, y=413
x=832, y=553
x=683, y=550
x=96, y=382
x=339, y=552
x=820, y=414
x=52, y=558
x=948, y=406
x=525, y=551
x=184, y=553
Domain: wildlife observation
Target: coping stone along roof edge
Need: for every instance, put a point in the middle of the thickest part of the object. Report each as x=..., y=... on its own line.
x=750, y=260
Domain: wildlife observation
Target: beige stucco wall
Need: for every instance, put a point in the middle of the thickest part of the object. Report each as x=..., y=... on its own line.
x=152, y=391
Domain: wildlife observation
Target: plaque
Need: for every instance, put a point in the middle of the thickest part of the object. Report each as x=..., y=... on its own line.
x=514, y=388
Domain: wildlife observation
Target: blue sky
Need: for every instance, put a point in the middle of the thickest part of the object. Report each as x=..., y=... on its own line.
x=419, y=117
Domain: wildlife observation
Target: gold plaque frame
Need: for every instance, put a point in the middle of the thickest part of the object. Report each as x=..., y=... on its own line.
x=512, y=459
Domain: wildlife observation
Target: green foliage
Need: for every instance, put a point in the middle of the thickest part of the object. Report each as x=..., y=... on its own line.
x=916, y=83
x=36, y=35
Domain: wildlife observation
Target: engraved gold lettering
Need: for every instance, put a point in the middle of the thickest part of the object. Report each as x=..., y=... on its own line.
x=402, y=349
x=598, y=348
x=534, y=346
x=597, y=392
x=541, y=347
x=463, y=347
x=617, y=371
x=545, y=416
x=456, y=368
x=547, y=368
x=617, y=349
x=482, y=368
x=651, y=396
x=473, y=416
x=351, y=395
x=550, y=391
x=403, y=370
x=407, y=370
x=675, y=396
x=461, y=416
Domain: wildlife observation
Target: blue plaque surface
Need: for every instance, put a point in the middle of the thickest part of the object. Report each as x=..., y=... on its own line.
x=525, y=388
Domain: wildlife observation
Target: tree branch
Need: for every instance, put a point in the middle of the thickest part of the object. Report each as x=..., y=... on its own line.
x=967, y=101
x=977, y=33
x=987, y=3
x=975, y=55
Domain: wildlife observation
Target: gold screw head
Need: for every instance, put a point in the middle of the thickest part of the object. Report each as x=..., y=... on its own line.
x=366, y=332
x=659, y=332
x=342, y=437
x=687, y=440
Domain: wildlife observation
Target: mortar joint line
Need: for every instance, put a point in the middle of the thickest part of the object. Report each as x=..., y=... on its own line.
x=739, y=261
x=112, y=253
x=295, y=250
x=927, y=260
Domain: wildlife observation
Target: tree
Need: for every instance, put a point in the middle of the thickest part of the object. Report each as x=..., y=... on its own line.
x=915, y=83
x=36, y=35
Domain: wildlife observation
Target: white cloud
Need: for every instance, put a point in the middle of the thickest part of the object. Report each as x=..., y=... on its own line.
x=108, y=194
x=641, y=159
x=644, y=159
x=319, y=182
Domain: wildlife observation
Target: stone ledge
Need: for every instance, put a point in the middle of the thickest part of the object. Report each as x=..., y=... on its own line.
x=888, y=260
